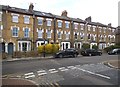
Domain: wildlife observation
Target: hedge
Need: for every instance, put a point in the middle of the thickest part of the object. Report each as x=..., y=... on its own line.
x=48, y=48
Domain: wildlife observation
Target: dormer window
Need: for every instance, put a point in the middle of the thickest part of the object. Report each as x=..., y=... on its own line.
x=26, y=19
x=15, y=17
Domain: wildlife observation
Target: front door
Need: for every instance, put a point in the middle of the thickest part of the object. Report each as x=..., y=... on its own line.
x=10, y=48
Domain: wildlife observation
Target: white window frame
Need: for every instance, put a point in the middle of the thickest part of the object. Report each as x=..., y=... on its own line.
x=94, y=28
x=49, y=22
x=59, y=34
x=75, y=25
x=28, y=48
x=113, y=30
x=100, y=29
x=67, y=24
x=17, y=30
x=59, y=21
x=41, y=19
x=26, y=19
x=40, y=33
x=89, y=27
x=104, y=29
x=82, y=26
x=1, y=28
x=49, y=33
x=81, y=35
x=0, y=16
x=15, y=17
x=25, y=32
x=67, y=35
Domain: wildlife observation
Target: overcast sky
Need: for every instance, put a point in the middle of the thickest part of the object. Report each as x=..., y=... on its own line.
x=104, y=11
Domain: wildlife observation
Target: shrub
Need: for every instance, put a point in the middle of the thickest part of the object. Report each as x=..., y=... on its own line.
x=85, y=46
x=40, y=49
x=49, y=48
x=95, y=47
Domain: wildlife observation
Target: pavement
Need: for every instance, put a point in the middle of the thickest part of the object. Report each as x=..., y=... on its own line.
x=113, y=63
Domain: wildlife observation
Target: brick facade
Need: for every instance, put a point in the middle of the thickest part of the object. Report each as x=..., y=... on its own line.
x=42, y=27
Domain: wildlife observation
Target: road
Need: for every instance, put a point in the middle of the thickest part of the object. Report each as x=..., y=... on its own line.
x=65, y=71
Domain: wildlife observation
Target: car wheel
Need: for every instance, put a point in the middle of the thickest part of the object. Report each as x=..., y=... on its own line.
x=90, y=54
x=60, y=55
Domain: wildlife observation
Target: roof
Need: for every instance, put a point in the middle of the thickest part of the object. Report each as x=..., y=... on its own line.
x=50, y=15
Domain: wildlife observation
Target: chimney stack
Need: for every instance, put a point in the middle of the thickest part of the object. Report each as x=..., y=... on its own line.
x=88, y=19
x=31, y=6
x=109, y=25
x=64, y=13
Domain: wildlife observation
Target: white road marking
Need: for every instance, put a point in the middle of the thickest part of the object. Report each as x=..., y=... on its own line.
x=71, y=67
x=52, y=70
x=29, y=75
x=63, y=69
x=41, y=72
x=94, y=73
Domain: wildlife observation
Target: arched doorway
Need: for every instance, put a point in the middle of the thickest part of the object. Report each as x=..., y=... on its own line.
x=2, y=47
x=10, y=48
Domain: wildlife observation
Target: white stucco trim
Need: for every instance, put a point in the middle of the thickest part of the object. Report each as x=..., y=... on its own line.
x=81, y=24
x=49, y=19
x=67, y=22
x=40, y=18
x=59, y=21
x=28, y=48
x=64, y=43
x=15, y=14
x=26, y=16
x=40, y=42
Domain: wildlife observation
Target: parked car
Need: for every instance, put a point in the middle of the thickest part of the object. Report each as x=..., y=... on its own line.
x=114, y=51
x=71, y=52
x=91, y=52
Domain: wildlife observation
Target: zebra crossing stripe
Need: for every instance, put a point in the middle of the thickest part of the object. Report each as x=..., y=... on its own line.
x=29, y=75
x=41, y=72
x=53, y=70
x=71, y=67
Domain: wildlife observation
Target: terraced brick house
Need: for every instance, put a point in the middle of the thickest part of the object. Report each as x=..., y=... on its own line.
x=26, y=29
